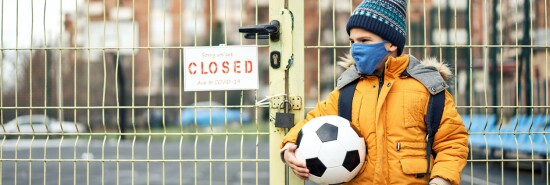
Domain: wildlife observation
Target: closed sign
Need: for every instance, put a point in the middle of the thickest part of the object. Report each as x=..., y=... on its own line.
x=220, y=68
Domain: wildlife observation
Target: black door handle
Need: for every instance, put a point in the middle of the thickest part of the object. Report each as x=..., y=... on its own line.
x=264, y=31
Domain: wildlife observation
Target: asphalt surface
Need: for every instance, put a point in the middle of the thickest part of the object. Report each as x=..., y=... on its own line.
x=510, y=172
x=96, y=161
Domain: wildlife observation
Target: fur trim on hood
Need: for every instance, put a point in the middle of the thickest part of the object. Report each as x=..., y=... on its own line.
x=432, y=74
x=443, y=68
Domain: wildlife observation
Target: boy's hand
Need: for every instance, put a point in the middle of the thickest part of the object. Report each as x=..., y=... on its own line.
x=298, y=167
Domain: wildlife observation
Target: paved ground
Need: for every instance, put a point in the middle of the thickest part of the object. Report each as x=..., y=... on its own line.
x=95, y=162
x=109, y=171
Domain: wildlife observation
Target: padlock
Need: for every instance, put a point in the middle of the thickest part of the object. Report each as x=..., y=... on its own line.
x=284, y=119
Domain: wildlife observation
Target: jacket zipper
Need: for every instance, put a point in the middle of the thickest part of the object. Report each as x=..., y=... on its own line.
x=380, y=84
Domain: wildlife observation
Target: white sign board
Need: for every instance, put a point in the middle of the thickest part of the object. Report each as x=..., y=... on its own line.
x=220, y=68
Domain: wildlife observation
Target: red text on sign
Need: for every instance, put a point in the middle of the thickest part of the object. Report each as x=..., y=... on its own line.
x=213, y=67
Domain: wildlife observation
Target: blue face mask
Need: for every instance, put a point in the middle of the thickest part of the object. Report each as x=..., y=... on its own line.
x=368, y=56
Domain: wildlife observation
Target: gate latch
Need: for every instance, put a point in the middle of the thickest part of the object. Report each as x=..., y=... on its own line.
x=264, y=31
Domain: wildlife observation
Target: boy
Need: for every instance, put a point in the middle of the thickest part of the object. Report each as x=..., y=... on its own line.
x=390, y=103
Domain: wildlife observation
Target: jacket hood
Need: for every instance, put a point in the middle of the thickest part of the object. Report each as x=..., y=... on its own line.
x=430, y=72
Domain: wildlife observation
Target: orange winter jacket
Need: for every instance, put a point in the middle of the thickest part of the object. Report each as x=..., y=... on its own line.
x=396, y=117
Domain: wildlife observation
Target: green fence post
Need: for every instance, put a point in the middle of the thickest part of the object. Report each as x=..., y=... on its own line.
x=291, y=47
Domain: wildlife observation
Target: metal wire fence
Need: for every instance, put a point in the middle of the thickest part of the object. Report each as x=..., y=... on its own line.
x=91, y=91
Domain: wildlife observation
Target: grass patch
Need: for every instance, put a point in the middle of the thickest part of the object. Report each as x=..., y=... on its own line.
x=230, y=132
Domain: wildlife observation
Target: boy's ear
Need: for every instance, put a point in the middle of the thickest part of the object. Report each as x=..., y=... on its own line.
x=390, y=47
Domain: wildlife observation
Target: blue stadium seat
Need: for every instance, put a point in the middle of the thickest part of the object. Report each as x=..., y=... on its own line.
x=540, y=145
x=479, y=123
x=526, y=142
x=521, y=133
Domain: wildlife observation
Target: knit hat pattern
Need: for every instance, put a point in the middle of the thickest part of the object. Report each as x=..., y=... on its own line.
x=385, y=18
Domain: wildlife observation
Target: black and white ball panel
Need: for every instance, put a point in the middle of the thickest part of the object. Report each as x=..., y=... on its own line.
x=332, y=150
x=327, y=132
x=309, y=150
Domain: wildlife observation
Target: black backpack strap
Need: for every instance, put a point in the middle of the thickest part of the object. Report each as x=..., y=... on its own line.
x=436, y=104
x=345, y=100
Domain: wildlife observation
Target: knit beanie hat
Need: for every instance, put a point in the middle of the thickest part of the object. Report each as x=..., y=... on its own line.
x=385, y=18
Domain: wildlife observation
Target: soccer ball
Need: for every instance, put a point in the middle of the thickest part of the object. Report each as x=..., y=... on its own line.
x=332, y=150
